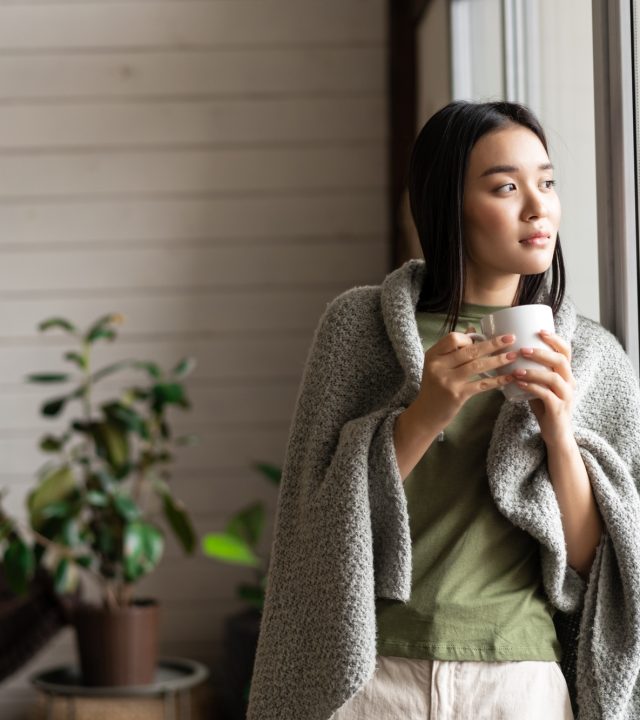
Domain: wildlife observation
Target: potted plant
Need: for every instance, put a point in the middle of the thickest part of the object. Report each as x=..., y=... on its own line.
x=92, y=514
x=238, y=545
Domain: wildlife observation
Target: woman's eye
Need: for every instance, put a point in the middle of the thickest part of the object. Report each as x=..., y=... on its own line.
x=508, y=185
x=549, y=183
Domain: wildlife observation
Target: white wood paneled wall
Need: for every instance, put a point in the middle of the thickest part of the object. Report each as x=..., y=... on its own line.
x=215, y=170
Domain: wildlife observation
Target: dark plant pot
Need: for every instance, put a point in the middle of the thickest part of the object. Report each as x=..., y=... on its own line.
x=240, y=641
x=118, y=647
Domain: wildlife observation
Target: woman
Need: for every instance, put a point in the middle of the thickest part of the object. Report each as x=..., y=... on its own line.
x=413, y=578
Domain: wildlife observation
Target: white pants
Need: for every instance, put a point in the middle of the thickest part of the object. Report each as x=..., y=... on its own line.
x=411, y=689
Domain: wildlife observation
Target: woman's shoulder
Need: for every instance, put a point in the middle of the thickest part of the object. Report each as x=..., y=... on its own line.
x=356, y=307
x=596, y=346
x=593, y=335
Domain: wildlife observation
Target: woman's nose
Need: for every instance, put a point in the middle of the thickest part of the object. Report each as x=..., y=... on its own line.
x=534, y=206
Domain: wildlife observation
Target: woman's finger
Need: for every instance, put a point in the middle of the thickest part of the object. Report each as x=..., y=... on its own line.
x=557, y=343
x=553, y=360
x=545, y=378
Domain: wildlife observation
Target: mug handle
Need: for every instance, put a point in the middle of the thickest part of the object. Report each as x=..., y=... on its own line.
x=475, y=336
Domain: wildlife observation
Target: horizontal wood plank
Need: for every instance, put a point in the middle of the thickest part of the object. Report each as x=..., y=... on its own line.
x=118, y=124
x=227, y=266
x=168, y=312
x=192, y=171
x=181, y=73
x=251, y=217
x=230, y=358
x=190, y=23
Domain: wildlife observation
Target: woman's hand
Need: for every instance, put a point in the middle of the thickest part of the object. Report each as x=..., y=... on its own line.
x=449, y=366
x=553, y=386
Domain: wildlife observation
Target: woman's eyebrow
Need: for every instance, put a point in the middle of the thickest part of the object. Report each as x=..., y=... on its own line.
x=511, y=169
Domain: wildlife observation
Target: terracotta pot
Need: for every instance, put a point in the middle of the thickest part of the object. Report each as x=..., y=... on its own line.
x=118, y=647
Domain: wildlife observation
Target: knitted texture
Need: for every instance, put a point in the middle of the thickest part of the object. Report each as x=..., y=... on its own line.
x=342, y=533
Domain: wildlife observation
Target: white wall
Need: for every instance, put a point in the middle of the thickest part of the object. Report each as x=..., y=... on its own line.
x=216, y=171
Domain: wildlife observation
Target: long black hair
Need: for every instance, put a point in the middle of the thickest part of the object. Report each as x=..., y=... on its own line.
x=437, y=169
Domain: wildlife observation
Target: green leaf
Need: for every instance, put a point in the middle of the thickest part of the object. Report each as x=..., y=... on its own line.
x=97, y=498
x=253, y=594
x=19, y=566
x=56, y=322
x=180, y=522
x=168, y=394
x=60, y=509
x=101, y=328
x=128, y=417
x=150, y=367
x=55, y=487
x=143, y=547
x=271, y=472
x=51, y=408
x=48, y=377
x=230, y=549
x=248, y=524
x=61, y=575
x=50, y=443
x=112, y=444
x=126, y=507
x=77, y=359
x=70, y=533
x=184, y=367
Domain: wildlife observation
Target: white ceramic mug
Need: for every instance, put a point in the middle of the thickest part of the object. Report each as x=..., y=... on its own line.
x=525, y=322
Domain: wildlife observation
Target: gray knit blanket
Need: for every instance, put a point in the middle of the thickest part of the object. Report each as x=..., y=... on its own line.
x=342, y=531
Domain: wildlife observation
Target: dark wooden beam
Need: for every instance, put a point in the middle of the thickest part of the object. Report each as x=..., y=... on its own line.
x=403, y=17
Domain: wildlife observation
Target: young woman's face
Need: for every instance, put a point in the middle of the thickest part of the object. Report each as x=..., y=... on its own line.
x=508, y=197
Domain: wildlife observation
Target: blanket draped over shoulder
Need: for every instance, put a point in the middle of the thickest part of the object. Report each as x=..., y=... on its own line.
x=342, y=534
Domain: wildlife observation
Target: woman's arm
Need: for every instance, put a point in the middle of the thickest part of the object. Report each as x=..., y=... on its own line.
x=412, y=437
x=581, y=519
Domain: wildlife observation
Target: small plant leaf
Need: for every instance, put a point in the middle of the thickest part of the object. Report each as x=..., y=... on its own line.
x=128, y=417
x=271, y=472
x=168, y=394
x=61, y=575
x=180, y=522
x=55, y=487
x=77, y=359
x=184, y=367
x=97, y=498
x=253, y=594
x=126, y=507
x=57, y=322
x=143, y=547
x=101, y=328
x=50, y=443
x=19, y=565
x=229, y=549
x=48, y=377
x=112, y=444
x=248, y=524
x=52, y=408
x=149, y=367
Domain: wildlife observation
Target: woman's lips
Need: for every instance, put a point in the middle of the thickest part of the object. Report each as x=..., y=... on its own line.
x=536, y=241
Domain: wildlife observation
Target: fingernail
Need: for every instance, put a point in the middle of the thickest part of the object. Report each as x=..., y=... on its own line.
x=512, y=355
x=527, y=351
x=508, y=338
x=544, y=332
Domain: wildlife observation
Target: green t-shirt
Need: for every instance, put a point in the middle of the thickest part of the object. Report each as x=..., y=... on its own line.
x=476, y=590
